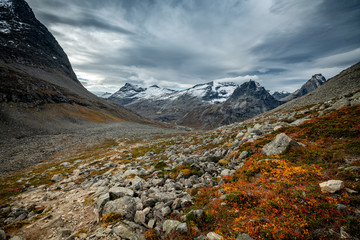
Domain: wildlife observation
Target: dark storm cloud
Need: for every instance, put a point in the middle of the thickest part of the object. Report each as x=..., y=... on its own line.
x=86, y=20
x=333, y=28
x=178, y=43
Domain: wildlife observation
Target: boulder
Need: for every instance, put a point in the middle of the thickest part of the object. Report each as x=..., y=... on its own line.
x=126, y=206
x=331, y=186
x=279, y=144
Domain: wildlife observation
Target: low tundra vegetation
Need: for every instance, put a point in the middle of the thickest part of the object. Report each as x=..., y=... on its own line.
x=279, y=197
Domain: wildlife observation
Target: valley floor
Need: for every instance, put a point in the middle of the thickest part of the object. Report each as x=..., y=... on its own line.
x=18, y=153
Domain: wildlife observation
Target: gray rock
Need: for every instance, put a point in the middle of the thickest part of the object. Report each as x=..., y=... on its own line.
x=170, y=225
x=243, y=155
x=279, y=144
x=165, y=211
x=56, y=222
x=214, y=236
x=21, y=217
x=150, y=202
x=125, y=232
x=17, y=238
x=65, y=164
x=181, y=228
x=62, y=233
x=101, y=201
x=117, y=192
x=226, y=172
x=2, y=235
x=151, y=223
x=139, y=217
x=126, y=206
x=331, y=186
x=137, y=183
x=57, y=178
x=343, y=102
x=163, y=196
x=235, y=143
x=244, y=236
x=130, y=172
x=299, y=121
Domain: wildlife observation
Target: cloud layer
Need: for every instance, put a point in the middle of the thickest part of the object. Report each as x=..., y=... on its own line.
x=179, y=43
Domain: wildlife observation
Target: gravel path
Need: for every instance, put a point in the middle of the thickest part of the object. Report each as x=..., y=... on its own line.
x=20, y=153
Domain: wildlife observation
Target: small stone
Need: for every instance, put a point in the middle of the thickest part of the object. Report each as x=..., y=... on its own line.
x=331, y=186
x=139, y=217
x=243, y=155
x=64, y=233
x=125, y=232
x=214, y=236
x=56, y=222
x=151, y=223
x=165, y=211
x=57, y=178
x=244, y=236
x=170, y=225
x=2, y=235
x=351, y=191
x=181, y=228
x=17, y=238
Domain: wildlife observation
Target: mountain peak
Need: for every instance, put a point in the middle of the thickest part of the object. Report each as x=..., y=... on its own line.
x=313, y=83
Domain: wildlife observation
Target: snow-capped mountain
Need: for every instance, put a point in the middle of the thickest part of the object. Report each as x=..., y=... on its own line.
x=212, y=92
x=279, y=94
x=190, y=107
x=131, y=93
x=313, y=83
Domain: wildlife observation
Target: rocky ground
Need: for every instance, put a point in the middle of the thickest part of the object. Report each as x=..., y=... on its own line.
x=20, y=152
x=186, y=186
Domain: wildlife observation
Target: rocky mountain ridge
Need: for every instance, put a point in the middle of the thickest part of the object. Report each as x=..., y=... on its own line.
x=180, y=107
x=313, y=83
x=39, y=91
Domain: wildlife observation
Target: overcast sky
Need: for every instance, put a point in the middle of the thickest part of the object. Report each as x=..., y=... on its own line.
x=179, y=43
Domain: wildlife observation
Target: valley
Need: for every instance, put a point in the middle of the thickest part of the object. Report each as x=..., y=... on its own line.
x=223, y=159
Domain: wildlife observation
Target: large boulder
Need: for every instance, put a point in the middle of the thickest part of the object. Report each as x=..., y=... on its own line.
x=279, y=144
x=331, y=186
x=126, y=206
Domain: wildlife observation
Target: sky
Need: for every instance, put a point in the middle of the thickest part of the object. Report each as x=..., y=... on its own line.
x=180, y=43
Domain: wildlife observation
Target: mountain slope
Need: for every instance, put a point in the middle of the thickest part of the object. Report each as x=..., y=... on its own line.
x=346, y=82
x=313, y=83
x=39, y=91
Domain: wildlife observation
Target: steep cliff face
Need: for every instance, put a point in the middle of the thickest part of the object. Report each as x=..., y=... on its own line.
x=39, y=91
